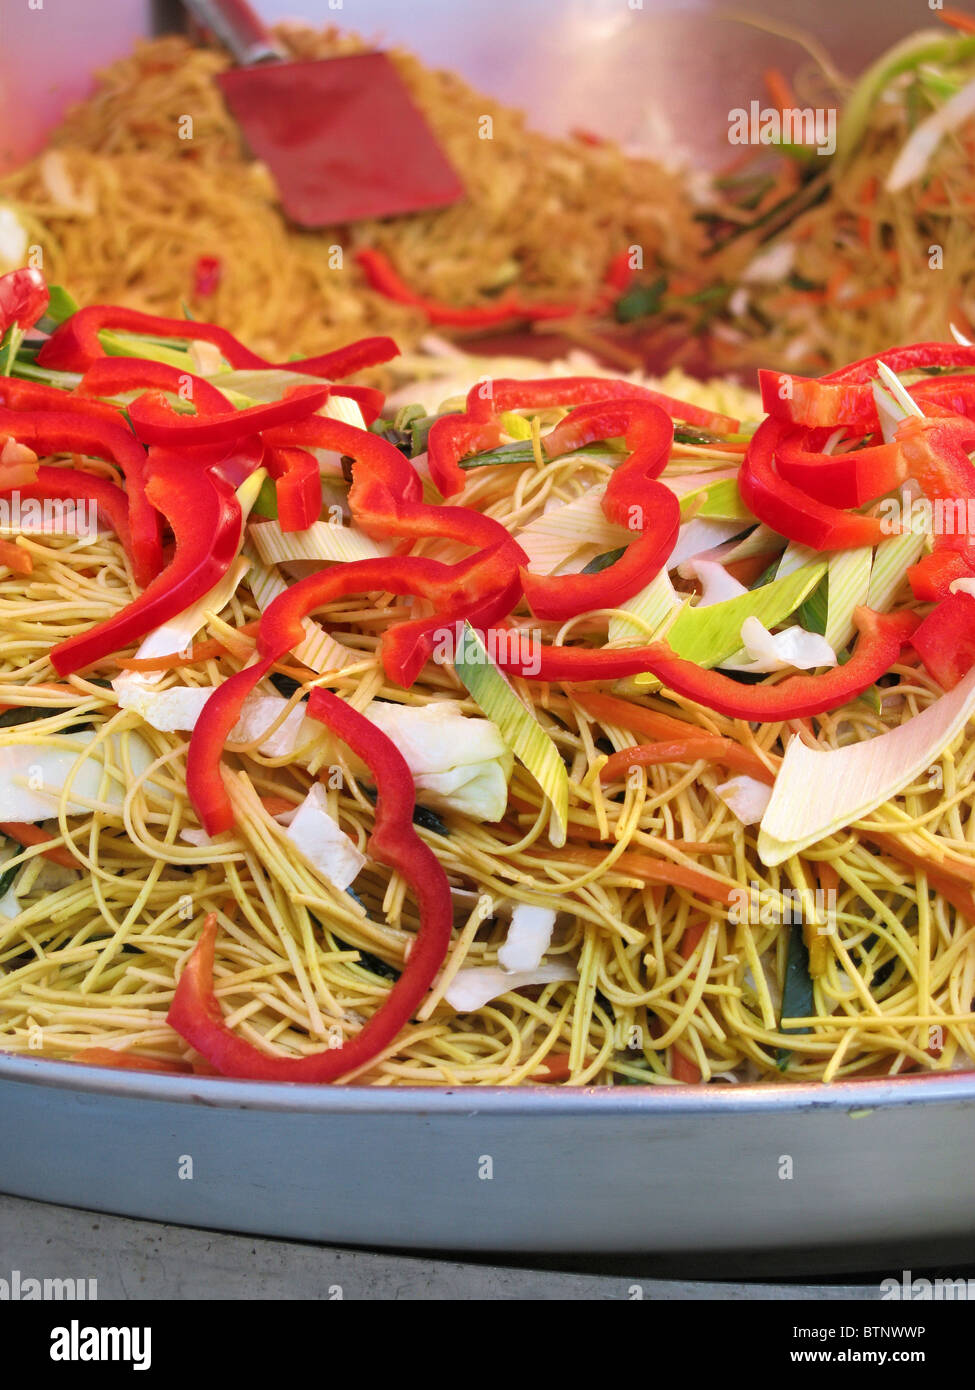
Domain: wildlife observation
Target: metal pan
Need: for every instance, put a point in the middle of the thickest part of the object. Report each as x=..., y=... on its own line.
x=852, y=1166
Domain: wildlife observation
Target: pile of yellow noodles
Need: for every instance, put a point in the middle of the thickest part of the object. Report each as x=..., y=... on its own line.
x=123, y=208
x=858, y=267
x=93, y=956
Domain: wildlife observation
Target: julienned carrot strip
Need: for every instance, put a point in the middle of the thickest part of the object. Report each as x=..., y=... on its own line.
x=868, y=194
x=964, y=23
x=633, y=864
x=711, y=747
x=556, y=1069
x=961, y=873
x=954, y=888
x=15, y=558
x=28, y=835
x=683, y=1069
x=202, y=651
x=779, y=89
x=129, y=1061
x=277, y=805
x=637, y=719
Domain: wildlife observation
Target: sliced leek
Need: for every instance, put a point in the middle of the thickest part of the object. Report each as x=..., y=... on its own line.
x=519, y=728
x=709, y=635
x=321, y=541
x=848, y=586
x=818, y=792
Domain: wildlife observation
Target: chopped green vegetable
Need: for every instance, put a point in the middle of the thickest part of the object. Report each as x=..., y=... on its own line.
x=60, y=306
x=710, y=635
x=603, y=562
x=641, y=301
x=798, y=997
x=267, y=500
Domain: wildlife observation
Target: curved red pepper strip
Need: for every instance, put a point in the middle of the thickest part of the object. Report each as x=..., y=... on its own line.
x=113, y=376
x=408, y=646
x=842, y=480
x=845, y=396
x=345, y=361
x=155, y=422
x=493, y=396
x=955, y=394
x=72, y=485
x=631, y=496
x=383, y=460
x=452, y=438
x=195, y=1012
x=205, y=518
x=37, y=395
x=23, y=299
x=385, y=280
x=882, y=635
x=74, y=345
x=71, y=431
x=906, y=359
x=281, y=630
x=456, y=437
x=298, y=484
x=793, y=513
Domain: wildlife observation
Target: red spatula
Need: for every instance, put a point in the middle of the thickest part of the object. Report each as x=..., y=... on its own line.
x=340, y=136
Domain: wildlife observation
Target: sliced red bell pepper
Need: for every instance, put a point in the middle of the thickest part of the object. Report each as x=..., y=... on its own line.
x=955, y=394
x=114, y=376
x=23, y=299
x=913, y=357
x=492, y=397
x=793, y=513
x=16, y=394
x=205, y=518
x=195, y=1012
x=935, y=453
x=72, y=485
x=281, y=629
x=456, y=437
x=75, y=432
x=298, y=484
x=155, y=422
x=407, y=647
x=842, y=480
x=882, y=635
x=818, y=403
x=452, y=438
x=945, y=640
x=345, y=361
x=383, y=460
x=632, y=499
x=933, y=575
x=75, y=345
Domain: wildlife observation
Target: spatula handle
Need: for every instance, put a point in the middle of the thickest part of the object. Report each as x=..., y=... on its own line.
x=238, y=28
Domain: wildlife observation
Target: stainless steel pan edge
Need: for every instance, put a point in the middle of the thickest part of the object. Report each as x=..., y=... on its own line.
x=863, y=1164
